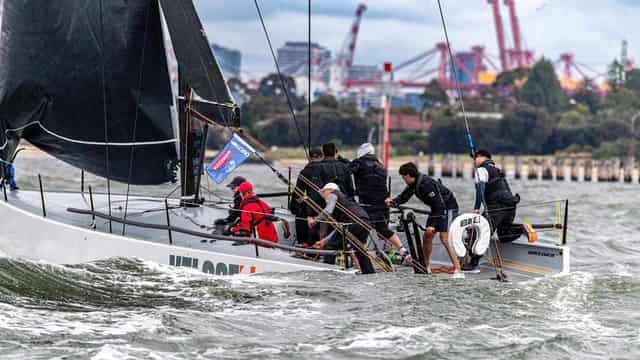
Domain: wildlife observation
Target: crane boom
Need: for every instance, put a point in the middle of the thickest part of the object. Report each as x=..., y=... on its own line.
x=515, y=30
x=500, y=34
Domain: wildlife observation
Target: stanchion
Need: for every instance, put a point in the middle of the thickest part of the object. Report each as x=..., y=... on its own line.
x=44, y=210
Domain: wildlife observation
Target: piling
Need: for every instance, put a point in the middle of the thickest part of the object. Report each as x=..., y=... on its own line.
x=518, y=167
x=560, y=169
x=532, y=169
x=431, y=168
x=547, y=172
x=447, y=168
x=459, y=166
x=575, y=171
x=602, y=171
x=588, y=170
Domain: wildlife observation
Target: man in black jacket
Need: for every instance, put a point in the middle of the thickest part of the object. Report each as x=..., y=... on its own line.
x=493, y=191
x=336, y=170
x=442, y=202
x=313, y=173
x=371, y=187
x=333, y=197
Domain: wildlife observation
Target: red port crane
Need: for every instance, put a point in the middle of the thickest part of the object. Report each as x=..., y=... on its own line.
x=515, y=31
x=344, y=58
x=504, y=62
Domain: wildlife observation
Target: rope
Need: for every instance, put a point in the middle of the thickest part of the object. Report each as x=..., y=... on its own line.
x=309, y=83
x=135, y=119
x=281, y=77
x=499, y=263
x=105, y=114
x=357, y=220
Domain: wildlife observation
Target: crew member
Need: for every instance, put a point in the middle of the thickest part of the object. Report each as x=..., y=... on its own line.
x=255, y=216
x=234, y=212
x=493, y=191
x=10, y=177
x=442, y=202
x=336, y=171
x=312, y=172
x=371, y=187
x=333, y=196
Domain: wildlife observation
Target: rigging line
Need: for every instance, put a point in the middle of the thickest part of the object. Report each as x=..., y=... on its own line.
x=457, y=81
x=281, y=77
x=498, y=264
x=82, y=142
x=314, y=206
x=135, y=119
x=309, y=83
x=105, y=114
x=358, y=221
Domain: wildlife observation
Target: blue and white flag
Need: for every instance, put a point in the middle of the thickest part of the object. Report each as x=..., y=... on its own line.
x=229, y=158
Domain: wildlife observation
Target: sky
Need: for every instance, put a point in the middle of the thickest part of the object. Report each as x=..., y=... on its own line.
x=396, y=30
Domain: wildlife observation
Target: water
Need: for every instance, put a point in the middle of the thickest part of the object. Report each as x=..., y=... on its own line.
x=117, y=309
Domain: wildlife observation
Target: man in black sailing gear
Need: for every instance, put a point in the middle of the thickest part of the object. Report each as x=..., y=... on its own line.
x=493, y=191
x=443, y=204
x=371, y=187
x=336, y=170
x=334, y=197
x=234, y=212
x=313, y=173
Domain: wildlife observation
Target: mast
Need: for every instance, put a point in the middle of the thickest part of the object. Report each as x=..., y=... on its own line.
x=193, y=144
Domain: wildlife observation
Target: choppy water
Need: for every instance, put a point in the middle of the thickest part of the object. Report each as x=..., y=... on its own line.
x=128, y=309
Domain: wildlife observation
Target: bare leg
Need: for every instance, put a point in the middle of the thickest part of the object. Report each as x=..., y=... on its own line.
x=444, y=237
x=395, y=241
x=427, y=246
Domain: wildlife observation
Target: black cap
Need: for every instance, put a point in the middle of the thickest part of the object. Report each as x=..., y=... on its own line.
x=483, y=152
x=236, y=181
x=315, y=152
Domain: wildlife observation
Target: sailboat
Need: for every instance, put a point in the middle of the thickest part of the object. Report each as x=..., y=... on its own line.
x=113, y=88
x=128, y=91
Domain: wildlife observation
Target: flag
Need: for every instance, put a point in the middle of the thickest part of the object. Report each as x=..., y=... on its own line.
x=229, y=158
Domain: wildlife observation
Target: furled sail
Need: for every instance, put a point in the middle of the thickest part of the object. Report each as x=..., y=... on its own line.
x=76, y=76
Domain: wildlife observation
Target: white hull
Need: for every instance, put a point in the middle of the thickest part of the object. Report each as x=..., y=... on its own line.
x=27, y=235
x=64, y=237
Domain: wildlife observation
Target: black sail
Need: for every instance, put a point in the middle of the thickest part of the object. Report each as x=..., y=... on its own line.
x=53, y=92
x=198, y=67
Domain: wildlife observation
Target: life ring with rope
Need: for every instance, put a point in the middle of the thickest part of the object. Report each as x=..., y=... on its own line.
x=473, y=228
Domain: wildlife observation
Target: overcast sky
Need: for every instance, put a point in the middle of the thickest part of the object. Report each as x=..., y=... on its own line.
x=396, y=30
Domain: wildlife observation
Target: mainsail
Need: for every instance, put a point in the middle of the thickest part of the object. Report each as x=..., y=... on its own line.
x=55, y=94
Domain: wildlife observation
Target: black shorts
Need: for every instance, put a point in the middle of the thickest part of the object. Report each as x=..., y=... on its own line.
x=380, y=221
x=445, y=219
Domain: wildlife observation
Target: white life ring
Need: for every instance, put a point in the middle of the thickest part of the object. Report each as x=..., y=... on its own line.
x=459, y=227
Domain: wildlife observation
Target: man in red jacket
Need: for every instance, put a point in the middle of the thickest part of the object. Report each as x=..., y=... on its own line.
x=255, y=216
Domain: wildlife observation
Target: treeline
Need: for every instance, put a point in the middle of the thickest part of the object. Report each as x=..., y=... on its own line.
x=265, y=114
x=538, y=118
x=524, y=112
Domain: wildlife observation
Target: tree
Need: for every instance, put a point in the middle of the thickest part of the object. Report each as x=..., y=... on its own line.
x=615, y=74
x=542, y=88
x=587, y=95
x=270, y=86
x=328, y=101
x=525, y=129
x=510, y=77
x=434, y=95
x=633, y=80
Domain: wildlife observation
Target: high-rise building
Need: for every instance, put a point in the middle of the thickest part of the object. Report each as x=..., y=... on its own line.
x=293, y=58
x=229, y=60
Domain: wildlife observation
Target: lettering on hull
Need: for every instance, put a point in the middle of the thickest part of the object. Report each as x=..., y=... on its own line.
x=211, y=267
